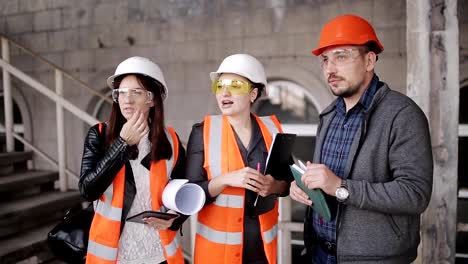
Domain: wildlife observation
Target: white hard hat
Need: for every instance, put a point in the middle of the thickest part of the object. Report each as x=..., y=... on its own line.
x=243, y=65
x=139, y=65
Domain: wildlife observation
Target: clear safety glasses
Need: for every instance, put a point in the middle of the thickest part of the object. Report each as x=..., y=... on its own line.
x=232, y=86
x=136, y=94
x=339, y=57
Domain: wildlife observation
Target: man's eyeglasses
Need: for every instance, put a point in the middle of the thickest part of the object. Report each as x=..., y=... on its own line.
x=339, y=57
x=233, y=86
x=137, y=94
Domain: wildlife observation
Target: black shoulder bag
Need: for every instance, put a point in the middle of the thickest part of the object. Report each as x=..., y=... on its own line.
x=68, y=240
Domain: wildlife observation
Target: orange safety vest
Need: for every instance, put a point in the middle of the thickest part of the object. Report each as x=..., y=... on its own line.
x=220, y=225
x=104, y=234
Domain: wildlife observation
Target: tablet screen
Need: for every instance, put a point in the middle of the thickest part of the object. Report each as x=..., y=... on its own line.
x=138, y=218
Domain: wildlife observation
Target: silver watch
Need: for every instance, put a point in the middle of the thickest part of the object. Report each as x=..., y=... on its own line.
x=342, y=192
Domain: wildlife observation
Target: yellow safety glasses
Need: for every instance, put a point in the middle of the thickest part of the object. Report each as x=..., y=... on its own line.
x=232, y=86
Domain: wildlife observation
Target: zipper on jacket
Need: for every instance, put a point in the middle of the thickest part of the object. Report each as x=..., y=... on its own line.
x=341, y=205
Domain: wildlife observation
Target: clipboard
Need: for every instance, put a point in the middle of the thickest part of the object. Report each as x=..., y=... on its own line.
x=138, y=218
x=279, y=156
x=319, y=203
x=277, y=165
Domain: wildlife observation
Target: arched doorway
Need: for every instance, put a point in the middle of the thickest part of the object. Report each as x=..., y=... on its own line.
x=100, y=108
x=298, y=112
x=17, y=126
x=21, y=120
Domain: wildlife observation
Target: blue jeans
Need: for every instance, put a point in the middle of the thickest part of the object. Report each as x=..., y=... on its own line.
x=321, y=257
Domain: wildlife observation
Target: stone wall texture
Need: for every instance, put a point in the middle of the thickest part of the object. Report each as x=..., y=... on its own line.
x=188, y=39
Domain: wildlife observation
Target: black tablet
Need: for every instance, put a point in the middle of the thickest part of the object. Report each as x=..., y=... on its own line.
x=138, y=218
x=279, y=157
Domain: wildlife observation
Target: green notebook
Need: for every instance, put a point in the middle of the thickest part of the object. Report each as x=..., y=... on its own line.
x=319, y=203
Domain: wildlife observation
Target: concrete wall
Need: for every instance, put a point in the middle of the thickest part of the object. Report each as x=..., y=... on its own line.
x=188, y=39
x=463, y=41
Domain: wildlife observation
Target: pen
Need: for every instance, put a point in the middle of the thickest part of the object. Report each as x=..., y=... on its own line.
x=258, y=169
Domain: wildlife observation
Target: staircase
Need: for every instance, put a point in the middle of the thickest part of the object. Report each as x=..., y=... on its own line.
x=29, y=208
x=30, y=204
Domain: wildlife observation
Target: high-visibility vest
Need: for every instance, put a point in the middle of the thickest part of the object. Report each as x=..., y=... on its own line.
x=220, y=225
x=104, y=234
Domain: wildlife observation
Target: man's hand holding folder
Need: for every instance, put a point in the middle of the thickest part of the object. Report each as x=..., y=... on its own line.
x=311, y=197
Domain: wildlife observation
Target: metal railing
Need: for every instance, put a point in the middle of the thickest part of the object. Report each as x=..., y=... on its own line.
x=55, y=66
x=46, y=157
x=57, y=96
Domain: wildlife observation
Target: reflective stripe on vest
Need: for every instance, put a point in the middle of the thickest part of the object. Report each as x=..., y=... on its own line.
x=105, y=229
x=215, y=145
x=104, y=206
x=220, y=224
x=271, y=234
x=227, y=200
x=171, y=248
x=104, y=252
x=228, y=238
x=169, y=238
x=270, y=124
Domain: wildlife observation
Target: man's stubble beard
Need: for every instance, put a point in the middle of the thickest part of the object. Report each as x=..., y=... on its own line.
x=347, y=92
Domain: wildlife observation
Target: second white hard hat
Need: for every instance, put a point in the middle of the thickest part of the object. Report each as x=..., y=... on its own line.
x=139, y=65
x=244, y=65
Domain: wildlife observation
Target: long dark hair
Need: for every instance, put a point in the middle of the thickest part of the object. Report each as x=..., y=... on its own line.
x=160, y=145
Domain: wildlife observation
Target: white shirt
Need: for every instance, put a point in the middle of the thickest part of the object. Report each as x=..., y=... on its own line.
x=139, y=243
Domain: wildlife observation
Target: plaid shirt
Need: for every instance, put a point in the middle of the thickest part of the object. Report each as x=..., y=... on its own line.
x=337, y=144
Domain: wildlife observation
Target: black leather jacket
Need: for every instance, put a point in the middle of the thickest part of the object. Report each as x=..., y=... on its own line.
x=99, y=167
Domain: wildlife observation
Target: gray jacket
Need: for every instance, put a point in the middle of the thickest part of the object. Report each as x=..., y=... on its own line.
x=389, y=177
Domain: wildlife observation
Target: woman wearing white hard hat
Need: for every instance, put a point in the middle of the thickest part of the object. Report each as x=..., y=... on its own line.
x=126, y=164
x=225, y=155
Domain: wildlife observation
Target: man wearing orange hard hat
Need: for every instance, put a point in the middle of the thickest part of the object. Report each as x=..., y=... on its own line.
x=373, y=157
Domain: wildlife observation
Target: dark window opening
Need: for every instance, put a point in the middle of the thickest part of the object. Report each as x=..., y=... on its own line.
x=17, y=120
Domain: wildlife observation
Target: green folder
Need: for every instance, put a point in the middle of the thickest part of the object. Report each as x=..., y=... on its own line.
x=319, y=204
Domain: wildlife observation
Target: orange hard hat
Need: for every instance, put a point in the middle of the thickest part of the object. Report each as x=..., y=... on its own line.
x=348, y=30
